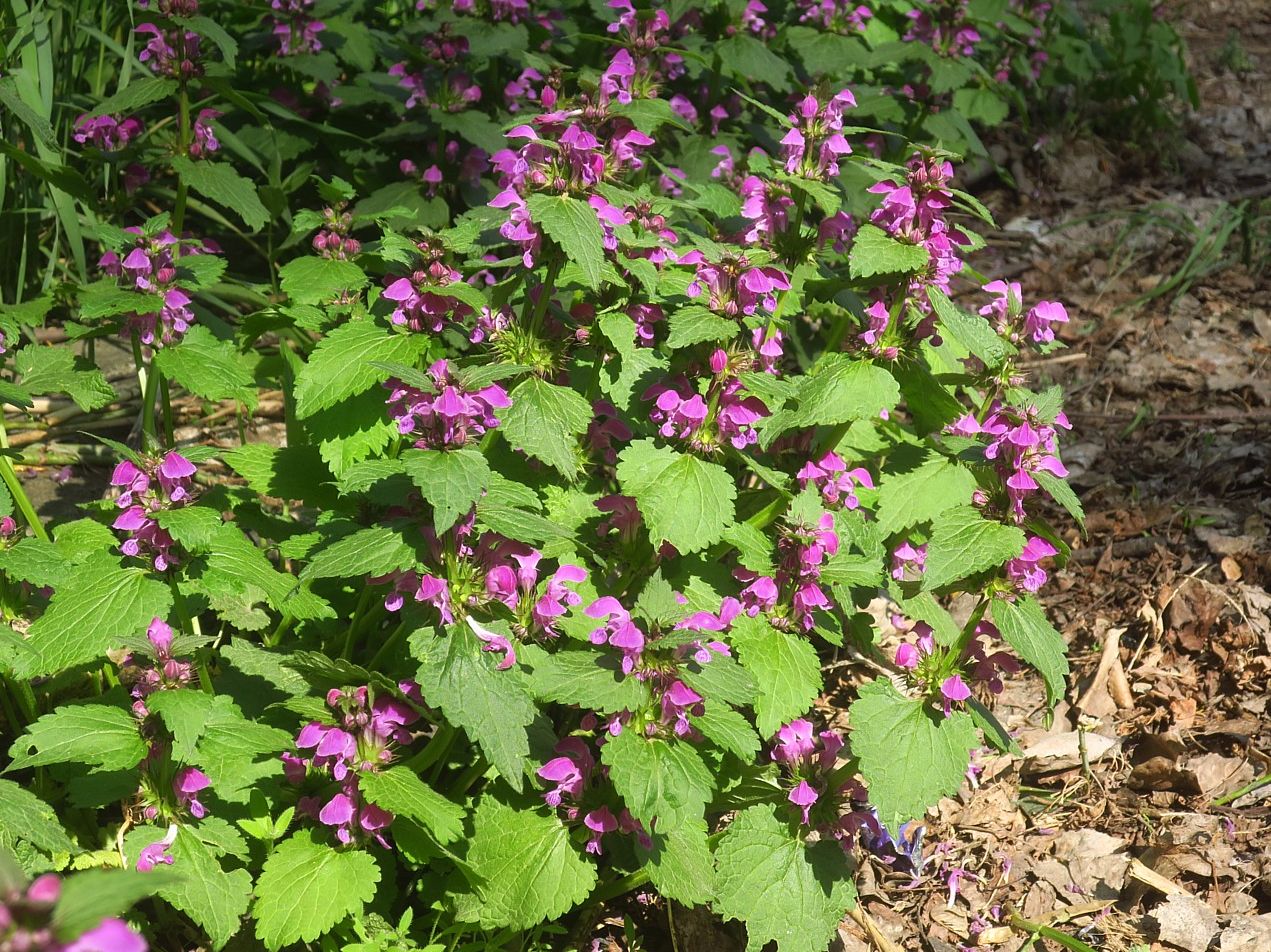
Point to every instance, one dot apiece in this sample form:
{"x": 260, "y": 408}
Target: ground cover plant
{"x": 620, "y": 376}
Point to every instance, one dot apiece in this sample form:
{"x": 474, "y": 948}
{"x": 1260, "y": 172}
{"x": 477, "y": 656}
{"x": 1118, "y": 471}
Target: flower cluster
{"x": 815, "y": 140}
{"x": 734, "y": 287}
{"x": 144, "y": 491}
{"x": 839, "y": 16}
{"x": 940, "y": 674}
{"x": 106, "y": 132}
{"x": 810, "y": 758}
{"x": 791, "y": 598}
{"x": 1006, "y": 314}
{"x": 150, "y": 267}
{"x": 204, "y": 141}
{"x": 1021, "y": 445}
{"x": 365, "y": 738}
{"x": 422, "y": 302}
{"x": 536, "y": 609}
{"x": 451, "y": 415}
{"x": 333, "y": 239}
{"x": 834, "y": 481}
{"x": 26, "y": 922}
{"x": 945, "y": 26}
{"x": 295, "y": 27}
{"x": 173, "y": 52}
{"x": 571, "y": 773}
{"x": 160, "y": 671}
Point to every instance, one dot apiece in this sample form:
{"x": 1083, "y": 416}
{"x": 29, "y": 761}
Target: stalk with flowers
{"x": 659, "y": 384}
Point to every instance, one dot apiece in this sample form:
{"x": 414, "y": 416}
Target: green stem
{"x": 351, "y": 632}
{"x": 436, "y": 748}
{"x": 1247, "y": 788}
{"x": 1020, "y": 924}
{"x": 388, "y": 644}
{"x": 470, "y": 776}
{"x": 149, "y": 437}
{"x": 968, "y": 630}
{"x": 166, "y": 399}
{"x": 546, "y": 289}
{"x": 183, "y": 144}
{"x": 20, "y": 497}
{"x": 284, "y": 625}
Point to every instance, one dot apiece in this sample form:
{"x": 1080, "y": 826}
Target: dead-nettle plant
{"x": 608, "y": 415}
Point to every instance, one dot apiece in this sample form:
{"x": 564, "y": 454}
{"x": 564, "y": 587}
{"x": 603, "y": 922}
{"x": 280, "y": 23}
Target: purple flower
{"x": 908, "y": 561}
{"x": 205, "y": 141}
{"x": 449, "y": 417}
{"x": 140, "y": 502}
{"x": 569, "y": 772}
{"x": 836, "y": 483}
{"x": 1025, "y": 570}
{"x": 803, "y": 796}
{"x": 188, "y": 782}
{"x": 494, "y": 642}
{"x": 113, "y": 935}
{"x": 106, "y": 132}
{"x": 157, "y": 854}
{"x": 618, "y": 630}
{"x": 599, "y": 821}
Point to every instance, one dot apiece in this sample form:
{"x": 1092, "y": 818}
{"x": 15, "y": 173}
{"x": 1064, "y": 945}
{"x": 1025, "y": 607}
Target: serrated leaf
{"x": 138, "y": 93}
{"x": 399, "y": 790}
{"x": 684, "y": 500}
{"x": 96, "y": 734}
{"x": 341, "y": 364}
{"x": 215, "y": 899}
{"x": 58, "y": 370}
{"x": 314, "y": 280}
{"x": 25, "y": 816}
{"x": 910, "y": 754}
{"x": 722, "y": 678}
{"x": 841, "y": 390}
{"x": 749, "y": 60}
{"x": 785, "y": 891}
{"x": 876, "y": 252}
{"x": 494, "y": 707}
{"x": 591, "y": 680}
{"x": 1025, "y": 627}
{"x": 106, "y": 603}
{"x": 529, "y": 870}
{"x": 209, "y": 368}
{"x": 232, "y": 747}
{"x": 377, "y": 550}
{"x": 662, "y": 780}
{"x": 545, "y": 421}
{"x": 729, "y": 731}
{"x": 915, "y": 488}
{"x": 633, "y": 364}
{"x": 106, "y": 299}
{"x": 1062, "y": 493}
{"x": 964, "y": 543}
{"x": 185, "y": 713}
{"x": 786, "y": 671}
{"x": 233, "y": 566}
{"x": 286, "y": 472}
{"x": 573, "y": 225}
{"x": 306, "y": 888}
{"x": 451, "y": 480}
{"x": 680, "y": 863}
{"x": 970, "y": 330}
{"x": 219, "y": 182}
{"x": 695, "y": 324}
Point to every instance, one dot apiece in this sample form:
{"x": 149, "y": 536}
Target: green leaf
{"x": 231, "y": 749}
{"x": 695, "y": 324}
{"x": 342, "y": 363}
{"x": 185, "y": 713}
{"x": 545, "y": 421}
{"x": 493, "y": 706}
{"x": 994, "y": 732}
{"x": 964, "y": 543}
{"x": 840, "y": 390}
{"x": 306, "y": 888}
{"x": 377, "y": 550}
{"x": 981, "y": 105}
{"x": 106, "y": 604}
{"x": 915, "y": 488}
{"x": 635, "y": 362}
{"x": 285, "y": 472}
{"x": 313, "y": 280}
{"x": 1062, "y": 493}
{"x": 970, "y": 330}
{"x": 95, "y": 734}
{"x": 96, "y": 894}
{"x": 209, "y": 368}
{"x": 209, "y": 28}
{"x": 215, "y": 899}
{"x": 529, "y": 870}
{"x": 138, "y": 93}
{"x": 754, "y": 548}
{"x": 680, "y": 863}
{"x": 684, "y": 500}
{"x": 451, "y": 480}
{"x": 660, "y": 780}
{"x": 573, "y": 225}
{"x": 106, "y": 299}
{"x": 875, "y": 252}
{"x": 786, "y": 671}
{"x": 219, "y": 182}
{"x": 587, "y": 678}
{"x": 722, "y": 678}
{"x": 786, "y": 891}
{"x": 728, "y": 730}
{"x": 25, "y": 816}
{"x": 1025, "y": 627}
{"x": 400, "y": 790}
{"x": 235, "y": 567}
{"x": 910, "y": 754}
{"x": 749, "y": 60}
{"x": 58, "y": 370}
